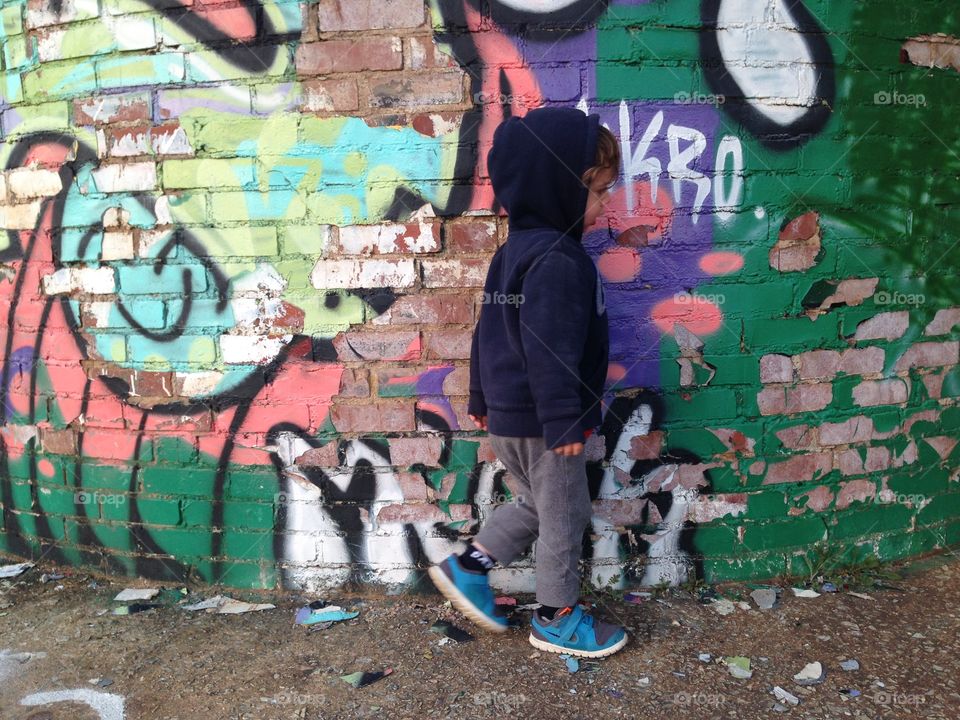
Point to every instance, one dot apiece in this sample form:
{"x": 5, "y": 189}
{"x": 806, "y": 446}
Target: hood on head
{"x": 536, "y": 164}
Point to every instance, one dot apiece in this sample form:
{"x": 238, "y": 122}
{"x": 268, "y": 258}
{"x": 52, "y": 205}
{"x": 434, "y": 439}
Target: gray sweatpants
{"x": 551, "y": 505}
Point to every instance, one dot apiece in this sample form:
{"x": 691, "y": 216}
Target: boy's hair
{"x": 607, "y": 158}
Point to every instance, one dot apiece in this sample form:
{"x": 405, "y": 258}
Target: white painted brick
{"x": 20, "y": 217}
{"x": 34, "y": 182}
{"x": 367, "y": 239}
{"x": 129, "y": 145}
{"x": 175, "y": 142}
{"x": 363, "y": 273}
{"x": 117, "y": 245}
{"x": 130, "y": 177}
{"x": 238, "y": 349}
{"x": 95, "y": 281}
{"x": 41, "y": 14}
{"x": 199, "y": 383}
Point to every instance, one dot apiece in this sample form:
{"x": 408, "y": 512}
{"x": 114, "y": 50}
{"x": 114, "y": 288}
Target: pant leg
{"x": 562, "y": 497}
{"x": 512, "y": 527}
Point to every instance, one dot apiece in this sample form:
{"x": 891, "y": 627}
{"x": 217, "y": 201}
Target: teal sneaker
{"x": 469, "y": 592}
{"x": 576, "y": 632}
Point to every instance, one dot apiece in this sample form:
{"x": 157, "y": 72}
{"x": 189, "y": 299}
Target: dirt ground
{"x": 64, "y": 655}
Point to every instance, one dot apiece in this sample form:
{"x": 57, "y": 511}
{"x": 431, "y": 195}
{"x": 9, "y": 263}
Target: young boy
{"x": 537, "y": 371}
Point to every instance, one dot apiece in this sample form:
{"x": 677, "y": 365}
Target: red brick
{"x": 340, "y": 15}
{"x": 863, "y": 361}
{"x": 471, "y": 236}
{"x": 115, "y": 109}
{"x": 808, "y": 398}
{"x": 405, "y": 452}
{"x": 421, "y": 53}
{"x": 429, "y": 310}
{"x": 801, "y": 468}
{"x": 423, "y": 512}
{"x": 457, "y": 382}
{"x": 355, "y": 382}
{"x": 323, "y": 456}
{"x": 454, "y": 273}
{"x": 943, "y": 322}
{"x": 413, "y": 486}
{"x": 343, "y": 56}
{"x": 448, "y": 345}
{"x": 929, "y": 354}
{"x": 881, "y": 392}
{"x": 854, "y": 430}
{"x": 382, "y": 345}
{"x": 436, "y": 88}
{"x": 624, "y": 512}
{"x": 380, "y": 417}
{"x": 60, "y": 442}
{"x": 819, "y": 364}
{"x": 339, "y": 95}
{"x": 883, "y": 326}
{"x": 647, "y": 447}
{"x": 798, "y": 437}
{"x": 776, "y": 369}
{"x": 855, "y": 491}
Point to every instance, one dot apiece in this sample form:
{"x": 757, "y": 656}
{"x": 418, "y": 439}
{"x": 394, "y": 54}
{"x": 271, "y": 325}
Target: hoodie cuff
{"x": 562, "y": 432}
{"x": 477, "y": 405}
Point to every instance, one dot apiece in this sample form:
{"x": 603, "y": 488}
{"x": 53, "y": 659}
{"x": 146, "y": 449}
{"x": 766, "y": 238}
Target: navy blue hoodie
{"x": 540, "y": 350}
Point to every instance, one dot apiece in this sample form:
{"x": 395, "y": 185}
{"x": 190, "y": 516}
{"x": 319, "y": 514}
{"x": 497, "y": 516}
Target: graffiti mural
{"x": 240, "y": 239}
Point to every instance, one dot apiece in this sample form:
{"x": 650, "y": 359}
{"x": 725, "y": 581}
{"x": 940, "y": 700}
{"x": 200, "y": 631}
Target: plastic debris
{"x": 330, "y": 614}
{"x": 361, "y": 679}
{"x": 805, "y": 593}
{"x": 780, "y": 707}
{"x": 850, "y": 665}
{"x": 812, "y": 674}
{"x": 723, "y": 606}
{"x": 765, "y": 598}
{"x": 48, "y": 577}
{"x": 828, "y": 587}
{"x": 783, "y": 696}
{"x": 850, "y": 692}
{"x": 505, "y": 600}
{"x": 643, "y": 681}
{"x": 8, "y": 571}
{"x": 223, "y": 605}
{"x": 637, "y": 598}
{"x": 449, "y": 630}
{"x": 862, "y": 596}
{"x": 572, "y": 663}
{"x": 738, "y": 666}
{"x": 612, "y": 692}
{"x": 704, "y": 657}
{"x": 134, "y": 608}
{"x": 529, "y": 606}
{"x": 101, "y": 682}
{"x": 677, "y": 673}
{"x": 136, "y": 594}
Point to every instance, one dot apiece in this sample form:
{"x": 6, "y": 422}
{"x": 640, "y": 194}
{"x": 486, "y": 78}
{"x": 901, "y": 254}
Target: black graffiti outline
{"x": 768, "y": 132}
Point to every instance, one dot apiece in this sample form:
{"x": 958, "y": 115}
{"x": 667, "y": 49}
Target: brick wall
{"x": 245, "y": 251}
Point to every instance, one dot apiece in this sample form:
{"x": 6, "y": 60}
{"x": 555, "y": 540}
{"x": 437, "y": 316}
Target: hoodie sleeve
{"x": 477, "y": 405}
{"x": 554, "y": 320}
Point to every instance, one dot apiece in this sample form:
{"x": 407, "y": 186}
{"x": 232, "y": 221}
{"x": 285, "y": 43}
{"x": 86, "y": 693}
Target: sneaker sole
{"x": 559, "y": 649}
{"x": 461, "y": 602}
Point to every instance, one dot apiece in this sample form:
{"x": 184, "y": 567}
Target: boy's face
{"x": 598, "y": 196}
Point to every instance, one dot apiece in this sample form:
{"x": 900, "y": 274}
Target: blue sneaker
{"x": 575, "y": 632}
{"x": 469, "y": 592}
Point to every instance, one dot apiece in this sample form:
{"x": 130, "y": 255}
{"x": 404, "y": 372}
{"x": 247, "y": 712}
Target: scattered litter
{"x": 828, "y": 587}
{"x": 862, "y": 596}
{"x": 329, "y": 614}
{"x": 783, "y": 696}
{"x": 723, "y": 606}
{"x": 677, "y": 673}
{"x": 534, "y": 655}
{"x": 779, "y": 707}
{"x": 614, "y": 693}
{"x": 850, "y": 665}
{"x": 505, "y": 600}
{"x": 805, "y": 593}
{"x": 765, "y": 598}
{"x": 850, "y": 692}
{"x": 739, "y": 666}
{"x": 704, "y": 657}
{"x": 223, "y": 605}
{"x": 361, "y": 679}
{"x": 449, "y": 630}
{"x": 134, "y": 608}
{"x": 572, "y": 663}
{"x": 812, "y": 674}
{"x": 637, "y": 598}
{"x": 530, "y": 606}
{"x": 743, "y": 605}
{"x": 136, "y": 594}
{"x": 48, "y": 577}
{"x": 8, "y": 571}
{"x": 101, "y": 682}
{"x": 643, "y": 681}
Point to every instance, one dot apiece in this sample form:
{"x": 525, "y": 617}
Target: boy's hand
{"x": 480, "y": 421}
{"x": 571, "y": 449}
